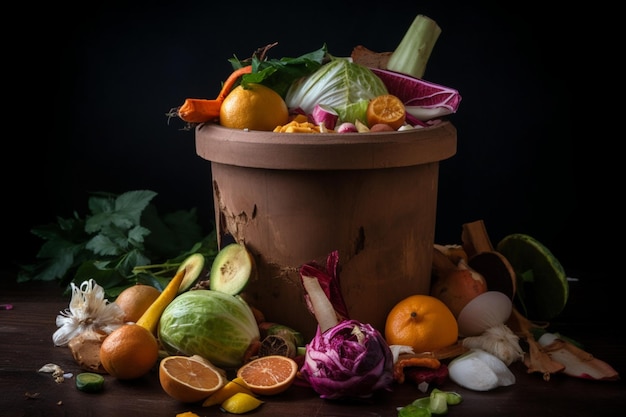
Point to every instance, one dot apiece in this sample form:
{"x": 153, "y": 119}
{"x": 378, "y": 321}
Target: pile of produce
{"x": 197, "y": 331}
{"x": 321, "y": 93}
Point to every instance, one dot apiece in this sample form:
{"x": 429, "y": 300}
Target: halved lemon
{"x": 241, "y": 403}
{"x": 231, "y": 388}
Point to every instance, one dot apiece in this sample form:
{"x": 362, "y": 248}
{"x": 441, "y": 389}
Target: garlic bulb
{"x": 88, "y": 311}
{"x": 500, "y": 341}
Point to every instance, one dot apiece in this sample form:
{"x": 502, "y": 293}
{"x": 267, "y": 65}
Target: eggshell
{"x": 484, "y": 311}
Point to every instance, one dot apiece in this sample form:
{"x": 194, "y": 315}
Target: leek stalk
{"x": 413, "y": 52}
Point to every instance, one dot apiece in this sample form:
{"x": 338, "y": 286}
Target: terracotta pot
{"x": 293, "y": 198}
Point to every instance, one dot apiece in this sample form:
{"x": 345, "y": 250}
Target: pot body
{"x": 294, "y": 198}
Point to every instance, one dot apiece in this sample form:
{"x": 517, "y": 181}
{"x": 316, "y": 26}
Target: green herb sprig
{"x": 121, "y": 242}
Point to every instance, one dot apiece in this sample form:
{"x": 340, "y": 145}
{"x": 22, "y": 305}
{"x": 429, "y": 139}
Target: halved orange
{"x": 386, "y": 109}
{"x": 268, "y": 375}
{"x": 190, "y": 378}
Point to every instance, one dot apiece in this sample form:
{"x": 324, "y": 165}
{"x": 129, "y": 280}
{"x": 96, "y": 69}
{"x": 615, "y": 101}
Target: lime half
{"x": 542, "y": 287}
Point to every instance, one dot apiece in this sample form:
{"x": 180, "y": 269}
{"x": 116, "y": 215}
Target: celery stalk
{"x": 413, "y": 52}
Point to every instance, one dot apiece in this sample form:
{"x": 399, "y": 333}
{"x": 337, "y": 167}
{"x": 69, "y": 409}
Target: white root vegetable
{"x": 346, "y": 127}
{"x": 480, "y": 371}
{"x": 324, "y": 312}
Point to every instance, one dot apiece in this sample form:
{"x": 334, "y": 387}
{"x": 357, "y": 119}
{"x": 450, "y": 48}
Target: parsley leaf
{"x": 121, "y": 242}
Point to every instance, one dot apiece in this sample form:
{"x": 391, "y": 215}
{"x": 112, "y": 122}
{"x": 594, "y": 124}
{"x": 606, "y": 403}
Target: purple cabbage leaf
{"x": 345, "y": 358}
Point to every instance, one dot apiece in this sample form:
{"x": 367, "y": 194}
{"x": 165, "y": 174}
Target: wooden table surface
{"x": 26, "y": 345}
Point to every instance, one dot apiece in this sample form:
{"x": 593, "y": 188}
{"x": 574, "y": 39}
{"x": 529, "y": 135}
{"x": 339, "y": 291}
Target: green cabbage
{"x": 341, "y": 84}
{"x": 217, "y": 326}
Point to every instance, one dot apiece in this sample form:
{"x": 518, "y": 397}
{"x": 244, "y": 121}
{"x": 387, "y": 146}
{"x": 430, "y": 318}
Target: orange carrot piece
{"x": 231, "y": 80}
{"x": 197, "y": 110}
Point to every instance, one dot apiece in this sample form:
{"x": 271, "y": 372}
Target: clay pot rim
{"x": 325, "y": 151}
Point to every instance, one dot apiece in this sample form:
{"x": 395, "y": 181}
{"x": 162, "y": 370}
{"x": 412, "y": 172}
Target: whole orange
{"x": 135, "y": 300}
{"x": 423, "y": 322}
{"x": 129, "y": 352}
{"x": 255, "y": 107}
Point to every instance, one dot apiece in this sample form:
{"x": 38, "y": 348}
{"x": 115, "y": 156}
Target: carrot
{"x": 231, "y": 80}
{"x": 197, "y": 110}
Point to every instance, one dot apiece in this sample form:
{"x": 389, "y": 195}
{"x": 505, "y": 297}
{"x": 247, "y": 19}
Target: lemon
{"x": 542, "y": 286}
{"x": 231, "y": 388}
{"x": 241, "y": 403}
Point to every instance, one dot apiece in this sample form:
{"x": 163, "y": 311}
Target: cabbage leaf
{"x": 341, "y": 84}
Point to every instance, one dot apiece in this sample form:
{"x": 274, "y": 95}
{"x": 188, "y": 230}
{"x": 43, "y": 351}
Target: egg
{"x": 486, "y": 310}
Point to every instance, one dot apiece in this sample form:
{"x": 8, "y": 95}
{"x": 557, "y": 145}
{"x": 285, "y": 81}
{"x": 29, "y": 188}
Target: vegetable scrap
{"x": 480, "y": 371}
{"x": 578, "y": 363}
{"x": 57, "y": 372}
{"x": 436, "y": 403}
{"x": 187, "y": 414}
{"x": 88, "y": 311}
{"x": 296, "y": 126}
{"x": 413, "y": 361}
{"x": 196, "y": 110}
{"x": 345, "y": 358}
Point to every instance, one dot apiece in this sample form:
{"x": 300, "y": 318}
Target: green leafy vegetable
{"x": 121, "y": 242}
{"x": 344, "y": 86}
{"x": 278, "y": 74}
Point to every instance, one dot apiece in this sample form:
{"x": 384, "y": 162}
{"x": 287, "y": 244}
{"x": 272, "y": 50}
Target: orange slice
{"x": 386, "y": 109}
{"x": 190, "y": 379}
{"x": 268, "y": 375}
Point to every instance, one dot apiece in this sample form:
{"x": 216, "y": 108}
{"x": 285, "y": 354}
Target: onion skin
{"x": 324, "y": 115}
{"x": 457, "y": 287}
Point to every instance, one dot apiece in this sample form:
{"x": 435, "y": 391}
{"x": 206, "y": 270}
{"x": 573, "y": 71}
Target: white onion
{"x": 480, "y": 371}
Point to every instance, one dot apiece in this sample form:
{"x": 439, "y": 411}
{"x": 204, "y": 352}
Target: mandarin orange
{"x": 386, "y": 109}
{"x": 423, "y": 322}
{"x": 129, "y": 352}
{"x": 135, "y": 300}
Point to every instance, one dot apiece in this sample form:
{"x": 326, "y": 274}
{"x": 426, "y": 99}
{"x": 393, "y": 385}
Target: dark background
{"x": 532, "y": 153}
